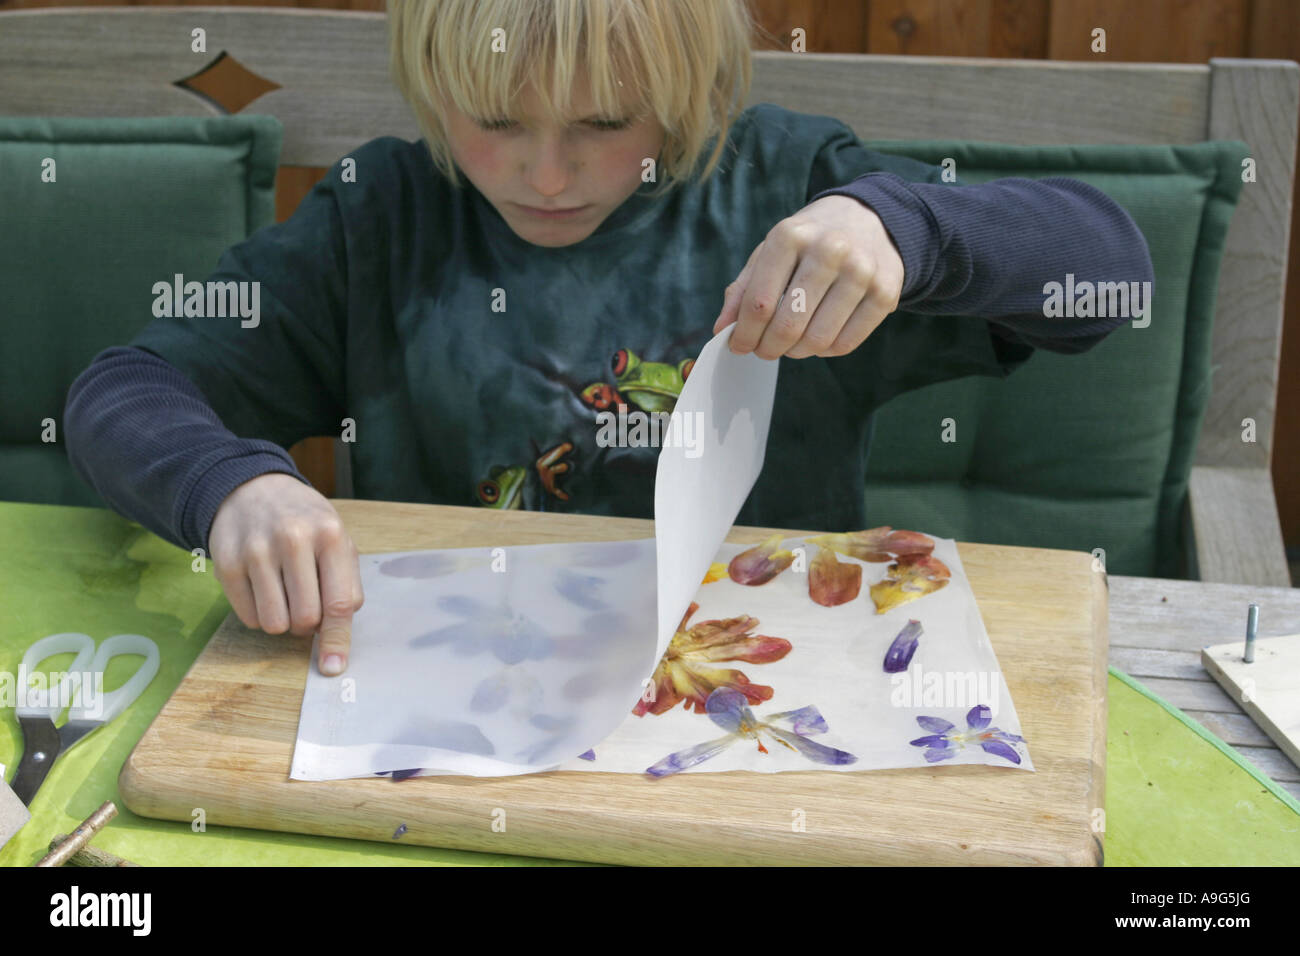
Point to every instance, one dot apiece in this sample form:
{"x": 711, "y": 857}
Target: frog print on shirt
{"x": 649, "y": 386}
{"x": 504, "y": 486}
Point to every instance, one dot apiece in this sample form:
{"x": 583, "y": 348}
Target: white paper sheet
{"x": 500, "y": 661}
{"x": 503, "y": 661}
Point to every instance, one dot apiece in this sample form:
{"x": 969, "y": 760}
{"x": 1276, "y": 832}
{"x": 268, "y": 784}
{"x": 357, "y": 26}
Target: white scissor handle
{"x": 117, "y": 701}
{"x": 83, "y": 645}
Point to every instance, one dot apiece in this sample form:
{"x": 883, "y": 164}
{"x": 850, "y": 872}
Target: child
{"x": 559, "y": 244}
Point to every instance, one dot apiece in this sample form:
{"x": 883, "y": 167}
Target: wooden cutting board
{"x": 224, "y": 742}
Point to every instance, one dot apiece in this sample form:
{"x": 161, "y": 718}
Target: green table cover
{"x": 1175, "y": 793}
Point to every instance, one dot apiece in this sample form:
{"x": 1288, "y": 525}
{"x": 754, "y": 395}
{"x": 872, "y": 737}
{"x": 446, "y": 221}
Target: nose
{"x": 548, "y": 168}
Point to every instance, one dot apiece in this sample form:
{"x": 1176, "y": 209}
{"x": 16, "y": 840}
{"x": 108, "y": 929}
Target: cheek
{"x": 481, "y": 155}
{"x": 625, "y": 162}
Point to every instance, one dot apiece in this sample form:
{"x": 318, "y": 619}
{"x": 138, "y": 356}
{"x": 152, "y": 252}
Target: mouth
{"x": 552, "y": 213}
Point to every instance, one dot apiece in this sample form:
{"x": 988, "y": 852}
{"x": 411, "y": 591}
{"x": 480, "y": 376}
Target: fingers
{"x": 769, "y": 274}
{"x": 340, "y": 589}
{"x": 731, "y": 297}
{"x": 263, "y": 572}
{"x": 829, "y": 328}
{"x": 789, "y": 329}
{"x": 296, "y": 546}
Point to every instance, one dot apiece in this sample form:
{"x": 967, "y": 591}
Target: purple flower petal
{"x": 937, "y": 741}
{"x": 806, "y": 721}
{"x": 934, "y": 756}
{"x": 1010, "y": 738}
{"x": 589, "y": 755}
{"x": 682, "y": 759}
{"x": 814, "y": 751}
{"x": 979, "y": 717}
{"x": 936, "y": 724}
{"x": 900, "y": 652}
{"x": 999, "y": 749}
{"x": 727, "y": 708}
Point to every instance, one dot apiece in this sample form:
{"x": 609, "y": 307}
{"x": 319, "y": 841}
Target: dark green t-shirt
{"x": 376, "y": 305}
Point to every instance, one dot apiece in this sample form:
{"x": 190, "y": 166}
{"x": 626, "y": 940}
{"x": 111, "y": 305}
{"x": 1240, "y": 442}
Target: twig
{"x": 80, "y": 836}
{"x": 91, "y": 855}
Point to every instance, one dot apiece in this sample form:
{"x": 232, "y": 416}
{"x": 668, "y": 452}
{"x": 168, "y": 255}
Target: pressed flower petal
{"x": 760, "y": 563}
{"x": 727, "y": 708}
{"x": 806, "y": 721}
{"x": 811, "y": 749}
{"x": 1010, "y": 738}
{"x": 731, "y": 640}
{"x": 682, "y": 759}
{"x": 934, "y": 756}
{"x": 589, "y": 755}
{"x": 681, "y": 674}
{"x": 398, "y": 774}
{"x": 910, "y": 577}
{"x": 999, "y": 749}
{"x": 899, "y": 655}
{"x": 938, "y": 741}
{"x": 979, "y": 717}
{"x": 717, "y": 571}
{"x": 832, "y": 582}
{"x": 876, "y": 544}
{"x": 936, "y": 724}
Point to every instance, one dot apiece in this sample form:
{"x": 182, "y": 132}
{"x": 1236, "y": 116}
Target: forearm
{"x": 140, "y": 433}
{"x": 991, "y": 250}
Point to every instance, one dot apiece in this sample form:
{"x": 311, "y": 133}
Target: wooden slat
{"x": 988, "y": 28}
{"x": 1258, "y": 102}
{"x": 1193, "y": 695}
{"x": 830, "y": 26}
{"x": 1150, "y": 30}
{"x": 122, "y": 61}
{"x": 1237, "y": 730}
{"x": 1010, "y": 101}
{"x": 1273, "y": 763}
{"x": 1194, "y": 614}
{"x": 1142, "y": 663}
{"x": 1238, "y": 538}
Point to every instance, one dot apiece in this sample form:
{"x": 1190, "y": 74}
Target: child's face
{"x": 581, "y": 167}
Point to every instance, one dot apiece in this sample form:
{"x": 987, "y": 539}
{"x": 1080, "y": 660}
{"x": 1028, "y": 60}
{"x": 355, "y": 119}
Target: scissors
{"x": 42, "y": 743}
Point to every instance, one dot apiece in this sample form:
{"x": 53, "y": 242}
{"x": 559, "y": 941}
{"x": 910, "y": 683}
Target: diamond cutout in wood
{"x": 227, "y": 83}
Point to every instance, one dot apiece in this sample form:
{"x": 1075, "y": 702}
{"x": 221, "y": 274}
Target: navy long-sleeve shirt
{"x": 380, "y": 311}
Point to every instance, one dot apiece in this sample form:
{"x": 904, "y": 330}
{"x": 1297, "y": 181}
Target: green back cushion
{"x": 132, "y": 202}
{"x": 1076, "y": 451}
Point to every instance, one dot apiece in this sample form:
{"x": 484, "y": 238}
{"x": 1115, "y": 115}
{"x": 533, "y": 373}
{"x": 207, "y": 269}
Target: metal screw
{"x": 1252, "y": 625}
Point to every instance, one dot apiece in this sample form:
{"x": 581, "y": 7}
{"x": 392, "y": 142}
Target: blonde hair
{"x": 689, "y": 61}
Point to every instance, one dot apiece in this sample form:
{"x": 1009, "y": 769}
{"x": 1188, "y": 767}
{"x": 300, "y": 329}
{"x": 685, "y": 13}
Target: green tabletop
{"x": 1175, "y": 794}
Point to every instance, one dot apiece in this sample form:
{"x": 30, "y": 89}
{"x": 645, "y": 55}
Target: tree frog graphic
{"x": 504, "y": 486}
{"x": 649, "y": 386}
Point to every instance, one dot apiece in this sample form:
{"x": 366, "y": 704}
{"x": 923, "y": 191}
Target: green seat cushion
{"x": 1085, "y": 451}
{"x": 97, "y": 211}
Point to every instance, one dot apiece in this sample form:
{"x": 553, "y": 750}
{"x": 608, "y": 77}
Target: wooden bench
{"x": 333, "y": 92}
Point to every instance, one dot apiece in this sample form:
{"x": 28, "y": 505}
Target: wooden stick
{"x": 80, "y": 836}
{"x": 90, "y": 855}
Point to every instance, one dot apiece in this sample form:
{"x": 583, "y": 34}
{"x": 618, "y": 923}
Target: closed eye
{"x": 502, "y": 124}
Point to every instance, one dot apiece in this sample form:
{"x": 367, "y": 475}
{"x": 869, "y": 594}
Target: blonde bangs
{"x": 685, "y": 61}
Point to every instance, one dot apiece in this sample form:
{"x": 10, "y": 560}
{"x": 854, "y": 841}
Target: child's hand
{"x": 286, "y": 562}
{"x": 848, "y": 269}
